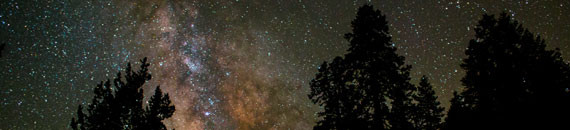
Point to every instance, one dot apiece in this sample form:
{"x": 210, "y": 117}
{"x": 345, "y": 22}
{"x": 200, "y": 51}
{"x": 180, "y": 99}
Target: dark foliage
{"x": 158, "y": 109}
{"x": 2, "y": 48}
{"x": 427, "y": 113}
{"x": 355, "y": 91}
{"x": 123, "y": 108}
{"x": 512, "y": 81}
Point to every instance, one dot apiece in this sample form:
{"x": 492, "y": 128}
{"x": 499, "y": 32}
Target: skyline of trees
{"x": 121, "y": 106}
{"x": 428, "y": 112}
{"x": 511, "y": 82}
{"x": 368, "y": 88}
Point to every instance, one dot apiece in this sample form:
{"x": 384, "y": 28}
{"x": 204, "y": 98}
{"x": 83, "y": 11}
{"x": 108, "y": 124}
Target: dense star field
{"x": 227, "y": 64}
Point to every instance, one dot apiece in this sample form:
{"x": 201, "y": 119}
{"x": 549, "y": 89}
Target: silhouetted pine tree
{"x": 124, "y": 109}
{"x": 457, "y": 112}
{"x": 354, "y": 90}
{"x": 512, "y": 81}
{"x": 158, "y": 109}
{"x": 79, "y": 123}
{"x": 101, "y": 116}
{"x": 427, "y": 113}
{"x": 402, "y": 108}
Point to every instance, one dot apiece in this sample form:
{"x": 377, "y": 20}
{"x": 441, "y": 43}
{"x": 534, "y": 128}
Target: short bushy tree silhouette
{"x": 512, "y": 81}
{"x": 122, "y": 109}
{"x": 427, "y": 113}
{"x": 354, "y": 91}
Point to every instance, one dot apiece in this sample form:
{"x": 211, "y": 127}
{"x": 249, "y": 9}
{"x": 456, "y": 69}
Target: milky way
{"x": 235, "y": 64}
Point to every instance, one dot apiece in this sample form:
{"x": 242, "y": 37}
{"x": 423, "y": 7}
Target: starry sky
{"x": 227, "y": 64}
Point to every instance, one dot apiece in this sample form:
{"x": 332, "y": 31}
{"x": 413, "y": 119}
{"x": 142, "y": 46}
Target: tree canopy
{"x": 120, "y": 107}
{"x": 512, "y": 80}
{"x": 357, "y": 91}
{"x": 427, "y": 113}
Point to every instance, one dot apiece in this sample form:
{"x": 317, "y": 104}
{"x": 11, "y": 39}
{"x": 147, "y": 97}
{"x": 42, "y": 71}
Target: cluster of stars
{"x": 227, "y": 64}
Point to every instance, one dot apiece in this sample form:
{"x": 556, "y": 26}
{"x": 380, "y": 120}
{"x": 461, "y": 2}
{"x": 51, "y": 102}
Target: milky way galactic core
{"x": 227, "y": 64}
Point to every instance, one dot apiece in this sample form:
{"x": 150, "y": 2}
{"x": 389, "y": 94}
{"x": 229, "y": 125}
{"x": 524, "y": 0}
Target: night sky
{"x": 228, "y": 64}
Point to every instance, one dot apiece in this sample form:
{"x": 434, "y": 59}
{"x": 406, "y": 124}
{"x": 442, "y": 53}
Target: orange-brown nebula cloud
{"x": 214, "y": 82}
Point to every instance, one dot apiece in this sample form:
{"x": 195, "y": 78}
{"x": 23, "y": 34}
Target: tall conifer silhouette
{"x": 427, "y": 113}
{"x": 354, "y": 90}
{"x": 512, "y": 81}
